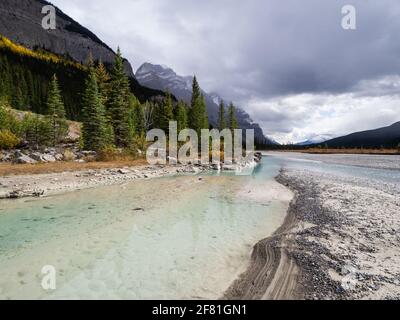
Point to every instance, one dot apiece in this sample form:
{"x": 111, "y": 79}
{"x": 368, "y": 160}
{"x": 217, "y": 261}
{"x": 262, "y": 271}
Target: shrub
{"x": 37, "y": 130}
{"x": 109, "y": 153}
{"x": 68, "y": 155}
{"x": 139, "y": 145}
{"x": 8, "y": 140}
{"x": 8, "y": 120}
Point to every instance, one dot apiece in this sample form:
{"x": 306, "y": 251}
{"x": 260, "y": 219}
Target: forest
{"x": 50, "y": 90}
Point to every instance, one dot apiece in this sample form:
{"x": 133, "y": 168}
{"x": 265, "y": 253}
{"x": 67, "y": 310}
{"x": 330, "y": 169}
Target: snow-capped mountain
{"x": 164, "y": 78}
{"x": 316, "y": 139}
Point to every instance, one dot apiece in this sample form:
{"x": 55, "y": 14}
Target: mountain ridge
{"x": 388, "y": 137}
{"x": 164, "y": 78}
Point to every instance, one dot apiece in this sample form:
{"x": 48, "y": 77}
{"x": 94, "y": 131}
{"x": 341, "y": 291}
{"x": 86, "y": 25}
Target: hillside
{"x": 387, "y": 137}
{"x": 20, "y": 22}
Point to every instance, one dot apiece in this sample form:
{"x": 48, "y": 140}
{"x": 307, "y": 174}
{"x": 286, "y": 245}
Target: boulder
{"x": 229, "y": 167}
{"x": 37, "y": 156}
{"x": 5, "y": 156}
{"x": 124, "y": 171}
{"x": 59, "y": 157}
{"x": 48, "y": 158}
{"x": 25, "y": 159}
{"x": 42, "y": 157}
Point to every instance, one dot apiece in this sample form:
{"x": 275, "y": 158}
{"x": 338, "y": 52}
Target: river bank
{"x": 340, "y": 238}
{"x": 35, "y": 185}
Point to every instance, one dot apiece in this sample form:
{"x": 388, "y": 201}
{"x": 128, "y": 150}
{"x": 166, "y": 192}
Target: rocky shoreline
{"x": 339, "y": 241}
{"x": 37, "y": 185}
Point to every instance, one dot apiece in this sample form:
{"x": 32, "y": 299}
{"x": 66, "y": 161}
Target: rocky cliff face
{"x": 164, "y": 78}
{"x": 21, "y": 21}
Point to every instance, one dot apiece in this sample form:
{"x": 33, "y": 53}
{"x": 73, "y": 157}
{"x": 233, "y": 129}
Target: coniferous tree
{"x": 56, "y": 112}
{"x": 204, "y": 114}
{"x": 181, "y": 115}
{"x": 232, "y": 120}
{"x": 221, "y": 116}
{"x": 167, "y": 113}
{"x": 198, "y": 118}
{"x": 118, "y": 104}
{"x": 103, "y": 81}
{"x": 137, "y": 121}
{"x": 94, "y": 124}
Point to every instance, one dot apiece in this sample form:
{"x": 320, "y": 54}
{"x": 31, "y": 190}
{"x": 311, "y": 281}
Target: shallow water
{"x": 168, "y": 238}
{"x": 384, "y": 169}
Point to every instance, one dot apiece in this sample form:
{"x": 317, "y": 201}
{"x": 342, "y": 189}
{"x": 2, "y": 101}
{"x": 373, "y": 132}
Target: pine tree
{"x": 181, "y": 115}
{"x": 118, "y": 104}
{"x": 56, "y": 112}
{"x": 232, "y": 120}
{"x": 167, "y": 113}
{"x": 198, "y": 118}
{"x": 94, "y": 124}
{"x": 221, "y": 116}
{"x": 204, "y": 114}
{"x": 136, "y": 115}
{"x": 103, "y": 82}
{"x": 196, "y": 92}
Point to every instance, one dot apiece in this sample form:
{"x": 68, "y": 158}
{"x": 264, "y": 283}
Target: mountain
{"x": 164, "y": 78}
{"x": 20, "y": 21}
{"x": 383, "y": 137}
{"x": 315, "y": 140}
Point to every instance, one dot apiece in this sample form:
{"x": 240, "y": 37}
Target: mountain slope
{"x": 382, "y": 137}
{"x": 164, "y": 78}
{"x": 20, "y": 21}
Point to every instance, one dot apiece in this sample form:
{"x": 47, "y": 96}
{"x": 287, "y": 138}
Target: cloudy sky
{"x": 289, "y": 63}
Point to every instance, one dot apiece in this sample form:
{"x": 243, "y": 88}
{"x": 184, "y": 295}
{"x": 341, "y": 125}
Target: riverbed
{"x": 177, "y": 237}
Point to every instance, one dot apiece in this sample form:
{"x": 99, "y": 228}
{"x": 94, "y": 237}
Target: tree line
{"x": 111, "y": 115}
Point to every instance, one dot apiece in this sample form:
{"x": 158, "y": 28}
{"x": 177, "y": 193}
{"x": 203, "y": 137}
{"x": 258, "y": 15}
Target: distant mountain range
{"x": 164, "y": 78}
{"x": 387, "y": 137}
{"x": 315, "y": 140}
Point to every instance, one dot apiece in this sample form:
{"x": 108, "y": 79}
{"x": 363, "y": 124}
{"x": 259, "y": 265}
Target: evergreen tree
{"x": 56, "y": 112}
{"x": 118, "y": 104}
{"x": 103, "y": 82}
{"x": 204, "y": 115}
{"x": 137, "y": 122}
{"x": 94, "y": 124}
{"x": 198, "y": 118}
{"x": 181, "y": 115}
{"x": 167, "y": 113}
{"x": 221, "y": 116}
{"x": 196, "y": 92}
{"x": 232, "y": 120}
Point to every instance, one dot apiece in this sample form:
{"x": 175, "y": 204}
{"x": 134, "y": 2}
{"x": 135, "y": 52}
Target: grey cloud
{"x": 266, "y": 51}
{"x": 253, "y": 48}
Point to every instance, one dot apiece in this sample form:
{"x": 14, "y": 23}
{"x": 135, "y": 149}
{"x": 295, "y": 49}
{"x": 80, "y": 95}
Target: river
{"x": 182, "y": 237}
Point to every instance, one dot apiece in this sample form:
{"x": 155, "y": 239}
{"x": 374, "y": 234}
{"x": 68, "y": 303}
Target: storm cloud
{"x": 265, "y": 54}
